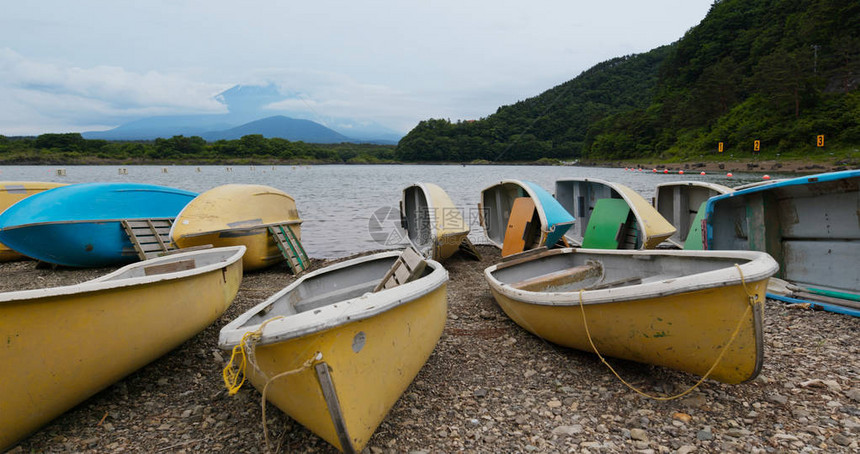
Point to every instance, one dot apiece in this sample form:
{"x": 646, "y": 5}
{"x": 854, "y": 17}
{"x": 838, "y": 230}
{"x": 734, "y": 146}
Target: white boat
{"x": 679, "y": 203}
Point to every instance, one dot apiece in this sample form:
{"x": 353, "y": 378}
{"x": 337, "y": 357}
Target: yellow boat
{"x": 641, "y": 226}
{"x": 238, "y": 214}
{"x": 62, "y": 345}
{"x": 13, "y": 191}
{"x": 333, "y": 354}
{"x": 686, "y": 310}
{"x": 434, "y": 225}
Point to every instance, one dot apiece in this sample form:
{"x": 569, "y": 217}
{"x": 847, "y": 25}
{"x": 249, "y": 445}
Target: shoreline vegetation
{"x": 73, "y": 149}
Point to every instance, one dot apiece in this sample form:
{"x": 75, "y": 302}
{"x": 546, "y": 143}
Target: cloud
{"x": 46, "y": 94}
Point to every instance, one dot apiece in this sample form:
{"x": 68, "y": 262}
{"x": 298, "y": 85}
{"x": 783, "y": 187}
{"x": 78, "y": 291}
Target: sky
{"x": 88, "y": 65}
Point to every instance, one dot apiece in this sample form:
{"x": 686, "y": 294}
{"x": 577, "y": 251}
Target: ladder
{"x": 290, "y": 246}
{"x": 150, "y": 237}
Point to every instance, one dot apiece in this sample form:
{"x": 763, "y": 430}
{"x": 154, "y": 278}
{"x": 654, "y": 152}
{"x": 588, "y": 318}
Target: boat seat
{"x": 408, "y": 267}
{"x": 560, "y": 278}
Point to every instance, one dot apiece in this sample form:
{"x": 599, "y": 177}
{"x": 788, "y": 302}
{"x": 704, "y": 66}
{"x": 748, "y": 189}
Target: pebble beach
{"x": 489, "y": 386}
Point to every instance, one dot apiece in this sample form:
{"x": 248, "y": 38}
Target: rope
{"x": 751, "y": 303}
{"x": 234, "y": 376}
{"x": 306, "y": 365}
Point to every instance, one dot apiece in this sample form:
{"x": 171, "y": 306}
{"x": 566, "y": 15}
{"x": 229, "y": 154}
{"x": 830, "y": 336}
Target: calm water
{"x": 338, "y": 201}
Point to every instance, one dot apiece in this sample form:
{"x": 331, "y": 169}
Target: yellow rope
{"x": 750, "y": 306}
{"x": 234, "y": 376}
{"x": 306, "y": 365}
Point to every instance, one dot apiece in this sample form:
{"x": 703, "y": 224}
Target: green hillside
{"x": 778, "y": 71}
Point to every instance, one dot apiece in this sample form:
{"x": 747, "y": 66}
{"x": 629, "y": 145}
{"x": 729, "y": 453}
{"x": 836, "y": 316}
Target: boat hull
{"x": 810, "y": 225}
{"x": 238, "y": 214}
{"x": 63, "y": 345}
{"x": 10, "y": 193}
{"x": 368, "y": 382}
{"x": 369, "y": 344}
{"x": 679, "y": 203}
{"x": 79, "y": 225}
{"x": 666, "y": 322}
{"x": 434, "y": 225}
{"x": 497, "y": 202}
{"x": 579, "y": 196}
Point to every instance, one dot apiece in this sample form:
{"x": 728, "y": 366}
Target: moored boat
{"x": 686, "y": 310}
{"x": 79, "y": 225}
{"x": 634, "y": 224}
{"x": 10, "y": 193}
{"x": 434, "y": 225}
{"x": 679, "y": 203}
{"x": 238, "y": 214}
{"x": 810, "y": 225}
{"x": 540, "y": 222}
{"x": 62, "y": 345}
{"x": 335, "y": 355}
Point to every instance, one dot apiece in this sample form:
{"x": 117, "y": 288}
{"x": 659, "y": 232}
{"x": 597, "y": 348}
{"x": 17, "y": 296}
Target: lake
{"x": 337, "y": 202}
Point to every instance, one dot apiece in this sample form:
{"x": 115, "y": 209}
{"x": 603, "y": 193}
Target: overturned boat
{"x": 679, "y": 202}
{"x": 686, "y": 310}
{"x": 10, "y": 193}
{"x": 263, "y": 219}
{"x": 520, "y": 215}
{"x": 610, "y": 215}
{"x": 810, "y": 225}
{"x": 434, "y": 225}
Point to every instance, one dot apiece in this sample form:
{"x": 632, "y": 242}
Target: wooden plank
{"x": 520, "y": 227}
{"x": 170, "y": 267}
{"x": 558, "y": 278}
{"x": 408, "y": 267}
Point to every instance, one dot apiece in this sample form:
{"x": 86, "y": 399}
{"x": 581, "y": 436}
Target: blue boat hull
{"x": 79, "y": 225}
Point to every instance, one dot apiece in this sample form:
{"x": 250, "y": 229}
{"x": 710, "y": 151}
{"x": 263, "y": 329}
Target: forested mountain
{"x": 778, "y": 71}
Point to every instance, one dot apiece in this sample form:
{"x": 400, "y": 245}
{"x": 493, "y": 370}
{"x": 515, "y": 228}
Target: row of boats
{"x": 337, "y": 347}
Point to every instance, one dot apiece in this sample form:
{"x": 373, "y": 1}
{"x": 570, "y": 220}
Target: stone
{"x": 567, "y": 430}
{"x": 778, "y": 399}
{"x": 554, "y": 403}
{"x": 683, "y": 417}
{"x": 638, "y": 434}
{"x": 686, "y": 449}
{"x": 695, "y": 401}
{"x": 704, "y": 435}
{"x": 842, "y": 440}
{"x": 854, "y": 394}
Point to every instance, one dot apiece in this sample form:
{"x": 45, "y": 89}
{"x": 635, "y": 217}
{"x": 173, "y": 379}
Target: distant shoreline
{"x": 689, "y": 168}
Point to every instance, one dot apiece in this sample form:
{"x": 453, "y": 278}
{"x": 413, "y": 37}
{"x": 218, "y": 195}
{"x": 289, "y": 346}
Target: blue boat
{"x": 497, "y": 202}
{"x": 79, "y": 225}
{"x": 810, "y": 225}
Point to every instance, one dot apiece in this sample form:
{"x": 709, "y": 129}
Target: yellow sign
{"x": 757, "y": 145}
{"x": 820, "y": 141}
{"x": 720, "y": 147}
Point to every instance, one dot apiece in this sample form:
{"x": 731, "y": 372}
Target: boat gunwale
{"x": 701, "y": 184}
{"x": 348, "y": 310}
{"x": 760, "y": 266}
{"x": 106, "y": 282}
{"x": 236, "y": 229}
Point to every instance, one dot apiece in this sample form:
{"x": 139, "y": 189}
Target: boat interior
{"x": 416, "y": 219}
{"x": 172, "y": 264}
{"x": 330, "y": 287}
{"x": 496, "y": 205}
{"x": 574, "y": 271}
{"x": 679, "y": 204}
{"x": 580, "y": 198}
{"x": 810, "y": 229}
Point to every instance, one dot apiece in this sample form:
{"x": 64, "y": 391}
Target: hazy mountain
{"x": 249, "y": 107}
{"x": 280, "y": 126}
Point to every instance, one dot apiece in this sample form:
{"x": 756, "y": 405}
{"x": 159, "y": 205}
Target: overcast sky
{"x": 71, "y": 66}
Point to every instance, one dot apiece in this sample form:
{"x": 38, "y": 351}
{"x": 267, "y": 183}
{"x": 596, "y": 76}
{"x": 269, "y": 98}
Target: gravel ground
{"x": 488, "y": 387}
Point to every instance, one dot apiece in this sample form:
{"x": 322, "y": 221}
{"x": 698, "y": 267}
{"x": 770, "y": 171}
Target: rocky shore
{"x": 488, "y": 387}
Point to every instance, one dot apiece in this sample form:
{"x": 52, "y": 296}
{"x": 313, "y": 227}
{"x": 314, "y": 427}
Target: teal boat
{"x": 549, "y": 220}
{"x": 810, "y": 225}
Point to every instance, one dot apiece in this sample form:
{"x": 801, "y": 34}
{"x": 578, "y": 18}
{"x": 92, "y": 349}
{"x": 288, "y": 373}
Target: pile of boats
{"x": 678, "y": 282}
